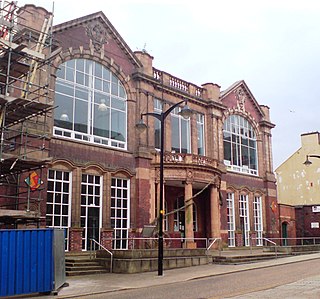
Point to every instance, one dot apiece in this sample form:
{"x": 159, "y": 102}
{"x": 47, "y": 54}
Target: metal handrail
{"x": 275, "y": 245}
{"x": 133, "y": 239}
{"x": 111, "y": 254}
{"x": 301, "y": 239}
{"x": 214, "y": 240}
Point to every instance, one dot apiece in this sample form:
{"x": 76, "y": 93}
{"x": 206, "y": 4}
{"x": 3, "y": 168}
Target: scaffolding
{"x": 26, "y": 53}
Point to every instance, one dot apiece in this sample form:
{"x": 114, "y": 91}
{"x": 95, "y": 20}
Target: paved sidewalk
{"x": 102, "y": 283}
{"x": 303, "y": 289}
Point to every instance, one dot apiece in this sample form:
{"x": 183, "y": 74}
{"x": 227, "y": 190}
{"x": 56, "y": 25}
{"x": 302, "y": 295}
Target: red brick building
{"x": 102, "y": 181}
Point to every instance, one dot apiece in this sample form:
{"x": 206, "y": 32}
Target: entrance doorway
{"x": 90, "y": 209}
{"x": 179, "y": 217}
{"x": 284, "y": 229}
{"x": 92, "y": 225}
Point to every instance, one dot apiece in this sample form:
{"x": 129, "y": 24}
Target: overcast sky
{"x": 273, "y": 45}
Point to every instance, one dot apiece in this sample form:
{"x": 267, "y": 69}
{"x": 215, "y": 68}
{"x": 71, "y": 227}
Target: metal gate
{"x": 27, "y": 261}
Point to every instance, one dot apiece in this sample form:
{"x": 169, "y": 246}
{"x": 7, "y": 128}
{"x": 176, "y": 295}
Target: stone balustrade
{"x": 176, "y": 83}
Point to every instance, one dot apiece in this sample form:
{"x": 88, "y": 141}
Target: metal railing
{"x": 167, "y": 241}
{"x": 298, "y": 241}
{"x": 211, "y": 241}
{"x": 93, "y": 242}
{"x": 273, "y": 243}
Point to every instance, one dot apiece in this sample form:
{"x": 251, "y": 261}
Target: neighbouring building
{"x": 298, "y": 188}
{"x": 96, "y": 176}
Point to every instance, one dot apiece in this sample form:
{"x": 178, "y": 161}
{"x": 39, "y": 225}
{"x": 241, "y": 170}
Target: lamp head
{"x": 307, "y": 162}
{"x": 141, "y": 126}
{"x": 185, "y": 112}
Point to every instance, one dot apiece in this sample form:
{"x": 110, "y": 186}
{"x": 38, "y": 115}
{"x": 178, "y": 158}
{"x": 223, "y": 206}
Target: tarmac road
{"x": 281, "y": 281}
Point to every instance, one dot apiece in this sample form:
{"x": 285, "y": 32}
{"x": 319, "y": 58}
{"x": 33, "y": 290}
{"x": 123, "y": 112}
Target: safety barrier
{"x": 31, "y": 261}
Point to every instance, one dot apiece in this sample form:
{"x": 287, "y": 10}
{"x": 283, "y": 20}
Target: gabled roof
{"x": 242, "y": 84}
{"x": 111, "y": 30}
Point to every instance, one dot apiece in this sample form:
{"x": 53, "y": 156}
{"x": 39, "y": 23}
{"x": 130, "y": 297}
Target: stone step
{"x": 86, "y": 272}
{"x": 243, "y": 259}
{"x": 82, "y": 267}
{"x": 81, "y": 264}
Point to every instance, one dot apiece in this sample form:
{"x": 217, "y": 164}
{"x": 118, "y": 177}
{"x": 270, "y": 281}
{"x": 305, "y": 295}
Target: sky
{"x": 274, "y": 46}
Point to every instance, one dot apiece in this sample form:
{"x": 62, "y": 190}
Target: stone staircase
{"x": 145, "y": 260}
{"x": 243, "y": 255}
{"x": 81, "y": 264}
{"x": 244, "y": 259}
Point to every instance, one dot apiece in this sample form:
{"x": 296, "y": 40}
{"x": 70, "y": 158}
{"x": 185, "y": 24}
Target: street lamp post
{"x": 141, "y": 126}
{"x": 307, "y": 162}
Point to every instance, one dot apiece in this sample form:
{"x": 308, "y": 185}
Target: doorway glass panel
{"x": 244, "y": 219}
{"x": 258, "y": 223}
{"x": 231, "y": 219}
{"x": 91, "y": 195}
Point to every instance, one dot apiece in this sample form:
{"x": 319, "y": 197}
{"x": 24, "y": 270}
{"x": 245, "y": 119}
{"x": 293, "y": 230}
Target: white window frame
{"x": 158, "y": 108}
{"x": 65, "y": 200}
{"x": 258, "y": 219}
{"x": 244, "y": 213}
{"x": 231, "y": 220}
{"x": 236, "y": 131}
{"x": 104, "y": 96}
{"x": 200, "y": 134}
{"x": 175, "y": 114}
{"x": 119, "y": 221}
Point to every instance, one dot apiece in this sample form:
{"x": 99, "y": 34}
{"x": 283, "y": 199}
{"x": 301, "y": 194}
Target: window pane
{"x": 227, "y": 150}
{"x": 175, "y": 140}
{"x": 101, "y": 122}
{"x": 70, "y": 74}
{"x": 63, "y": 114}
{"x": 81, "y": 116}
{"x": 118, "y": 125}
{"x": 80, "y": 78}
{"x": 98, "y": 70}
{"x": 118, "y": 104}
{"x": 185, "y": 140}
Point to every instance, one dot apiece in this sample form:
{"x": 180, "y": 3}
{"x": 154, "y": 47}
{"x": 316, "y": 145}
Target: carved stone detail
{"x": 241, "y": 98}
{"x": 98, "y": 35}
{"x": 216, "y": 181}
{"x": 189, "y": 177}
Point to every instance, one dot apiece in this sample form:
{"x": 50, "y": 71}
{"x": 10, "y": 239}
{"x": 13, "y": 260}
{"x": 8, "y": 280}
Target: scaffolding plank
{"x": 11, "y": 164}
{"x": 17, "y": 214}
{"x": 19, "y": 109}
{"x": 27, "y": 51}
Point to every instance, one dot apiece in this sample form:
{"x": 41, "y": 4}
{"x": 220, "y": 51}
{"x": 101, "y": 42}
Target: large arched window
{"x": 91, "y": 104}
{"x": 240, "y": 145}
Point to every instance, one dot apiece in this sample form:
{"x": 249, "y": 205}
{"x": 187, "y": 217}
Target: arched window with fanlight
{"x": 240, "y": 145}
{"x": 90, "y": 104}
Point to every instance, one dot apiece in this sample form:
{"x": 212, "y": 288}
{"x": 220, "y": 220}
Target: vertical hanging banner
{"x": 33, "y": 181}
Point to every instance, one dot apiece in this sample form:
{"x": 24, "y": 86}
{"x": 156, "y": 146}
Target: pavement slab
{"x": 109, "y": 282}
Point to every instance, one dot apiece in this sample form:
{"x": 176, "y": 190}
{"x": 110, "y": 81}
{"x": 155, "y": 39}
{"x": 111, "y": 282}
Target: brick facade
{"x": 200, "y": 183}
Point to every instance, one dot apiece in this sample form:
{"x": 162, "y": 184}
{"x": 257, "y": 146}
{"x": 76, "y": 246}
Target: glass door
{"x": 90, "y": 209}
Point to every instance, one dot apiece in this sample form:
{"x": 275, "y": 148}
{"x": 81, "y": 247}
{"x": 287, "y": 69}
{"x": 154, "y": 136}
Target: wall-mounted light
{"x": 141, "y": 125}
{"x": 307, "y": 162}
